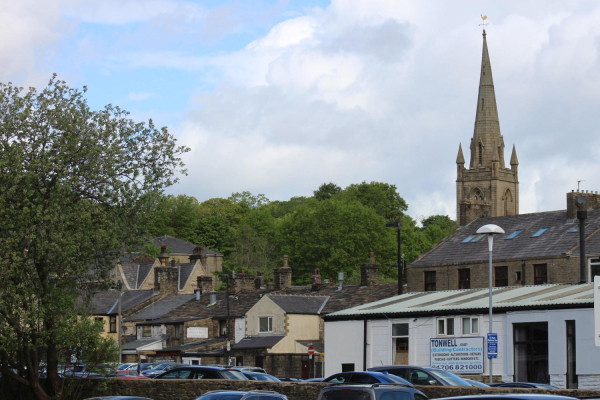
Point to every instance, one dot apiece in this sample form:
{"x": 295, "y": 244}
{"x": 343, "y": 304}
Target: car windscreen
{"x": 231, "y": 374}
{"x": 448, "y": 377}
{"x": 347, "y": 394}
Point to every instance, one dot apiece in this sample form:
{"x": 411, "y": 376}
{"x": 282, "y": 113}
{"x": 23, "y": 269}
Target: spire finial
{"x": 483, "y": 23}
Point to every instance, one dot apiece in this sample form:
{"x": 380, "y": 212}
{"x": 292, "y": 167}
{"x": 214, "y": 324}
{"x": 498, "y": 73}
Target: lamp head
{"x": 490, "y": 229}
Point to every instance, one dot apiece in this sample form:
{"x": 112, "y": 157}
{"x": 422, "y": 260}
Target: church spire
{"x": 460, "y": 159}
{"x": 513, "y": 158}
{"x": 486, "y": 134}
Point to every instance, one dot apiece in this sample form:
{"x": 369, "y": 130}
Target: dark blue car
{"x": 366, "y": 378}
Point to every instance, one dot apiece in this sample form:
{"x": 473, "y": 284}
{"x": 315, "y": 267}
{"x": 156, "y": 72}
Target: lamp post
{"x": 396, "y": 224}
{"x": 490, "y": 230}
{"x": 119, "y": 323}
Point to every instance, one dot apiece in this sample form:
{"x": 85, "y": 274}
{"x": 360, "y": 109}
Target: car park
{"x": 367, "y": 377}
{"x": 202, "y": 372}
{"x": 377, "y": 391}
{"x": 258, "y": 376}
{"x": 423, "y": 375}
{"x": 236, "y": 395}
{"x": 523, "y": 385}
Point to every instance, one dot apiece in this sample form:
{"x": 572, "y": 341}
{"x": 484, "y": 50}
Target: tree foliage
{"x": 75, "y": 184}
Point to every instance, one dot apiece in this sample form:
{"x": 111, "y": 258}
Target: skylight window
{"x": 477, "y": 238}
{"x": 514, "y": 234}
{"x": 539, "y": 233}
{"x": 467, "y": 240}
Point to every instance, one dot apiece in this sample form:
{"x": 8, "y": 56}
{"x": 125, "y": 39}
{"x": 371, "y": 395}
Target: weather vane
{"x": 483, "y": 23}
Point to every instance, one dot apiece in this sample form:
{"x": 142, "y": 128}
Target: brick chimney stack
{"x": 166, "y": 280}
{"x": 242, "y": 283}
{"x": 259, "y": 282}
{"x": 199, "y": 253}
{"x": 283, "y": 275}
{"x": 205, "y": 284}
{"x": 368, "y": 272}
{"x": 592, "y": 200}
{"x": 164, "y": 256}
{"x": 316, "y": 279}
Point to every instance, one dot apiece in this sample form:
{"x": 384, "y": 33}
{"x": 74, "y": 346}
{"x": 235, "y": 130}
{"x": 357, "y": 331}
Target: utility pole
{"x": 119, "y": 323}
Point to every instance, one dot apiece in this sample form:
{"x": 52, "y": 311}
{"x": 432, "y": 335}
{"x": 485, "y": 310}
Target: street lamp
{"x": 396, "y": 224}
{"x": 119, "y": 322}
{"x": 490, "y": 230}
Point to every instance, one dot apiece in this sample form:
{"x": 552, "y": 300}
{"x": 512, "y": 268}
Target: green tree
{"x": 326, "y": 190}
{"x": 177, "y": 216}
{"x": 381, "y": 197}
{"x": 75, "y": 184}
{"x": 335, "y": 236}
{"x": 437, "y": 227}
{"x": 219, "y": 219}
{"x": 247, "y": 201}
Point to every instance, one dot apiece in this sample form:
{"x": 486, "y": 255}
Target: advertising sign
{"x": 492, "y": 345}
{"x": 461, "y": 355}
{"x": 197, "y": 332}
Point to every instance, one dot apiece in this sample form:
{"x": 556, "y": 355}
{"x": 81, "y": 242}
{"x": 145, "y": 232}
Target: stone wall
{"x": 559, "y": 269}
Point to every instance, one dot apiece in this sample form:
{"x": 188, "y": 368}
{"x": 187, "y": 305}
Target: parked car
{"x": 368, "y": 377}
{"x": 476, "y": 383}
{"x": 423, "y": 375}
{"x": 86, "y": 371}
{"x": 314, "y": 380}
{"x": 202, "y": 372}
{"x": 160, "y": 368}
{"x": 126, "y": 374}
{"x": 524, "y": 385}
{"x": 143, "y": 366}
{"x": 377, "y": 391}
{"x": 124, "y": 366}
{"x": 258, "y": 376}
{"x": 243, "y": 368}
{"x": 235, "y": 395}
{"x": 515, "y": 396}
{"x": 293, "y": 379}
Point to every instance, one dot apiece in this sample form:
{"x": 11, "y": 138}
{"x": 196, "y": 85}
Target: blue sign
{"x": 492, "y": 345}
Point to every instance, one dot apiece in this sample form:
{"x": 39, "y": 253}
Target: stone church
{"x": 487, "y": 188}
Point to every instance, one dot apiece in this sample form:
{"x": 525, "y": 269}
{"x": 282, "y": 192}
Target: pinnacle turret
{"x": 513, "y": 158}
{"x": 460, "y": 159}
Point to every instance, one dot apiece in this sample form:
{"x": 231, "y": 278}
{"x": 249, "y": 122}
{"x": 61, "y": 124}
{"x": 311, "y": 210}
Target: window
{"x": 477, "y": 238}
{"x": 468, "y": 239}
{"x": 146, "y": 331}
{"x": 518, "y": 276}
{"x": 347, "y": 368}
{"x": 594, "y": 268}
{"x": 222, "y": 327}
{"x": 470, "y": 326}
{"x": 429, "y": 281}
{"x": 513, "y": 235}
{"x": 265, "y": 324}
{"x": 400, "y": 341}
{"x": 571, "y": 356}
{"x": 539, "y": 232}
{"x": 540, "y": 274}
{"x": 446, "y": 326}
{"x": 113, "y": 324}
{"x": 482, "y": 103}
{"x": 531, "y": 352}
{"x": 464, "y": 278}
{"x": 480, "y": 153}
{"x": 500, "y": 276}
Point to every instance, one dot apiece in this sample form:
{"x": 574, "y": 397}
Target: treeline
{"x": 334, "y": 230}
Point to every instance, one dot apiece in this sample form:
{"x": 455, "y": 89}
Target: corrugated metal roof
{"x": 477, "y": 299}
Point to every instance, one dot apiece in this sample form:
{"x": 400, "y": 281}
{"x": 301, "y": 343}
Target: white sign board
{"x": 461, "y": 355}
{"x": 597, "y": 310}
{"x": 197, "y": 332}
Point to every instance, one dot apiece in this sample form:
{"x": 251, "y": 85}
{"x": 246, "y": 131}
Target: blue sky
{"x": 278, "y": 97}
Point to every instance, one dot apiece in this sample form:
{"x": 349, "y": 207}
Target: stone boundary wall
{"x": 192, "y": 389}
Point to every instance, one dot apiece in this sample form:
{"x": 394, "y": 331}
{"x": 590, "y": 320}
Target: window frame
{"x": 460, "y": 281}
{"x": 269, "y": 324}
{"x": 445, "y": 324}
{"x": 112, "y": 324}
{"x": 536, "y": 276}
{"x": 427, "y": 286}
{"x": 471, "y": 333}
{"x": 505, "y": 278}
{"x": 146, "y": 329}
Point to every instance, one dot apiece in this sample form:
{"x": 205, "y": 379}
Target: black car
{"x": 235, "y": 395}
{"x": 377, "y": 391}
{"x": 202, "y": 372}
{"x": 524, "y": 385}
{"x": 518, "y": 396}
{"x": 423, "y": 375}
{"x": 160, "y": 369}
{"x": 368, "y": 377}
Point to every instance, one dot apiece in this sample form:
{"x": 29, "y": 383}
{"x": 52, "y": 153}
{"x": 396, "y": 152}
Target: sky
{"x": 278, "y": 97}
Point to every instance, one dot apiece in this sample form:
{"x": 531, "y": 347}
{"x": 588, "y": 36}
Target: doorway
{"x": 531, "y": 352}
{"x": 305, "y": 369}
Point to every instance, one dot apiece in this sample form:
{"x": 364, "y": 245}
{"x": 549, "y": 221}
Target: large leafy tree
{"x": 75, "y": 184}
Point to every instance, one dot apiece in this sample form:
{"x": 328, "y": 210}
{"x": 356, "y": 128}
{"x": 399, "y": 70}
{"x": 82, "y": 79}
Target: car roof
{"x": 371, "y": 386}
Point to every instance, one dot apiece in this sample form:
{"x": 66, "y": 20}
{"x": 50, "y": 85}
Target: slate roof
{"x": 107, "y": 302}
{"x": 349, "y": 296}
{"x": 179, "y": 246}
{"x": 160, "y": 307}
{"x": 556, "y": 241}
{"x": 299, "y": 304}
{"x": 141, "y": 342}
{"x": 204, "y": 345}
{"x": 504, "y": 299}
{"x": 185, "y": 270}
{"x": 239, "y": 304}
{"x": 136, "y": 273}
{"x": 258, "y": 342}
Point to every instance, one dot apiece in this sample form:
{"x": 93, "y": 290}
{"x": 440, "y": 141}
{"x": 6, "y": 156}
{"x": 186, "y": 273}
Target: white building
{"x": 545, "y": 334}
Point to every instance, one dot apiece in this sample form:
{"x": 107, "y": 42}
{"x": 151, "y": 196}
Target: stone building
{"x": 536, "y": 249}
{"x": 487, "y": 188}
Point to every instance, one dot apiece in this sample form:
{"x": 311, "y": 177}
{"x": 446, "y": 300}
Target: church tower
{"x": 487, "y": 188}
